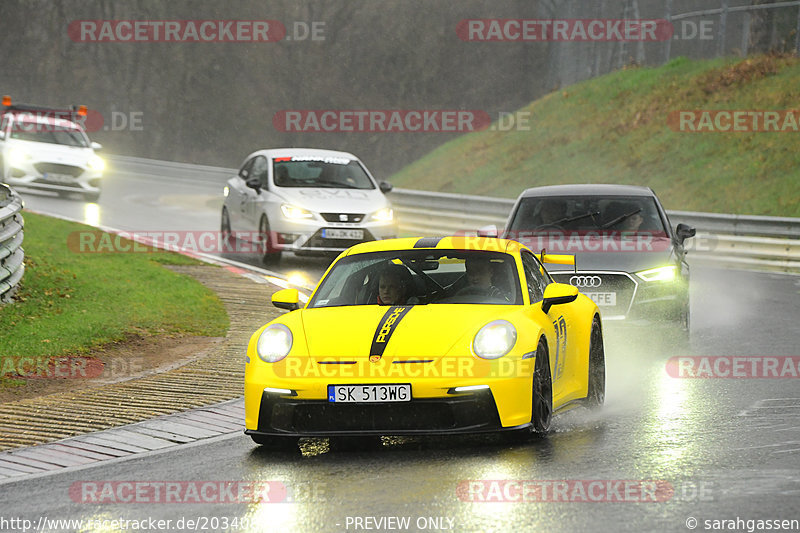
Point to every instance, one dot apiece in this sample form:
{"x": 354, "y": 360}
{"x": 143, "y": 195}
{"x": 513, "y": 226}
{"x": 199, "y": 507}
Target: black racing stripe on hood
{"x": 428, "y": 242}
{"x": 386, "y": 327}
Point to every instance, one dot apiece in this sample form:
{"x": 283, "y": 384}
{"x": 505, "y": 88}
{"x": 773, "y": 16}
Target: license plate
{"x": 342, "y": 233}
{"x": 369, "y": 393}
{"x": 58, "y": 178}
{"x": 602, "y": 299}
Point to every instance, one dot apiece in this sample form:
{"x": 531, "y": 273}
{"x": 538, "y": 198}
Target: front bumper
{"x": 312, "y": 235}
{"x": 474, "y": 412}
{"x": 43, "y": 175}
{"x": 503, "y": 402}
{"x": 637, "y": 303}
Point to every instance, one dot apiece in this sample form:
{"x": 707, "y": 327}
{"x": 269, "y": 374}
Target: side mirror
{"x": 385, "y": 187}
{"x": 253, "y": 183}
{"x": 557, "y": 294}
{"x": 96, "y": 146}
{"x": 488, "y": 231}
{"x": 287, "y": 299}
{"x": 683, "y": 232}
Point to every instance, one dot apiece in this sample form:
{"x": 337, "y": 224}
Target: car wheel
{"x": 542, "y": 392}
{"x": 275, "y": 443}
{"x": 269, "y": 255}
{"x": 90, "y": 196}
{"x": 597, "y": 367}
{"x": 225, "y": 232}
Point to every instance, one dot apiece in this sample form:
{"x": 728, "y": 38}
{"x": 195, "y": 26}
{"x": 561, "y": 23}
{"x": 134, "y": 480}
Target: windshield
{"x": 332, "y": 172}
{"x": 606, "y": 214}
{"x": 48, "y": 133}
{"x": 420, "y": 277}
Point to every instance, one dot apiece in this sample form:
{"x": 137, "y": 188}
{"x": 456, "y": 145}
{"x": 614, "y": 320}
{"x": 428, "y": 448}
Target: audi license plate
{"x": 369, "y": 393}
{"x": 603, "y": 299}
{"x": 342, "y": 233}
{"x": 58, "y": 178}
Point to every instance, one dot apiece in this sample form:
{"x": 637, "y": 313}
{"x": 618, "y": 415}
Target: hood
{"x": 619, "y": 261}
{"x": 633, "y": 254}
{"x": 347, "y": 333}
{"x": 54, "y": 153}
{"x": 335, "y": 200}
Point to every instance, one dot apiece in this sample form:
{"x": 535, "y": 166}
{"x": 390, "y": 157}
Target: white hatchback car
{"x": 305, "y": 201}
{"x": 41, "y": 150}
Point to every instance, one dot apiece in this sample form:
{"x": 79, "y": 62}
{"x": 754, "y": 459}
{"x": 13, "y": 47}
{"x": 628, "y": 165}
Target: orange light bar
{"x": 7, "y": 101}
{"x": 81, "y": 110}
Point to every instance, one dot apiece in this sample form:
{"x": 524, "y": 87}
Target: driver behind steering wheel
{"x": 479, "y": 279}
{"x": 551, "y": 213}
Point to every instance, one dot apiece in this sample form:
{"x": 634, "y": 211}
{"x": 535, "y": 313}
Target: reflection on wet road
{"x": 664, "y": 450}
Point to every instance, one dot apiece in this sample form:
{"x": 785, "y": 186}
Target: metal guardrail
{"x": 737, "y": 241}
{"x": 12, "y": 255}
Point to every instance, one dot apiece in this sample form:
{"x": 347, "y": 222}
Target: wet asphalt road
{"x": 716, "y": 449}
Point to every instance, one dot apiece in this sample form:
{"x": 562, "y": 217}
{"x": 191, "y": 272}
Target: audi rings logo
{"x": 585, "y": 281}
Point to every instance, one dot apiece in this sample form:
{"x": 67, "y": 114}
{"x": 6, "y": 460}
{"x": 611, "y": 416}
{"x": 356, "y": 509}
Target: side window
{"x": 260, "y": 170}
{"x": 533, "y": 276}
{"x": 244, "y": 172}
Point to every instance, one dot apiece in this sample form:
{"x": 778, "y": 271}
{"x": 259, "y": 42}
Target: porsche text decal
{"x": 386, "y": 327}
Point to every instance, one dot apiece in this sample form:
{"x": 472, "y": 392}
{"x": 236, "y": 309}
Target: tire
{"x": 225, "y": 233}
{"x": 91, "y": 196}
{"x": 269, "y": 255}
{"x": 541, "y": 392}
{"x": 597, "y": 367}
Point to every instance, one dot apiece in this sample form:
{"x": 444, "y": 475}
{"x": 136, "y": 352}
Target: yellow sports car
{"x": 425, "y": 336}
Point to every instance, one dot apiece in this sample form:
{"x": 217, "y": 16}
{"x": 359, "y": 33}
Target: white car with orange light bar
{"x": 47, "y": 149}
{"x": 425, "y": 336}
{"x": 306, "y": 201}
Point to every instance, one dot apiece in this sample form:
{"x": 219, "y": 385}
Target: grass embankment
{"x": 614, "y": 129}
{"x": 70, "y": 303}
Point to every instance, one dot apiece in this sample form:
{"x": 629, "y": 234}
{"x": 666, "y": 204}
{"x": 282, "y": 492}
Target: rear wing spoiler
{"x": 557, "y": 259}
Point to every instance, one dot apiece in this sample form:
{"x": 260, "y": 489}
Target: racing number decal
{"x": 386, "y": 327}
{"x": 560, "y": 325}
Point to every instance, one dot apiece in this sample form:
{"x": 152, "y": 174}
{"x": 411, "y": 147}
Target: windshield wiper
{"x": 573, "y": 219}
{"x": 334, "y": 185}
{"x": 619, "y": 219}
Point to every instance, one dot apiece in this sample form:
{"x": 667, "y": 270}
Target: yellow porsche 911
{"x": 425, "y": 336}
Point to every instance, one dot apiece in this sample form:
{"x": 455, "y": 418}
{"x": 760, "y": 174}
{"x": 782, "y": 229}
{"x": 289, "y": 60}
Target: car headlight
{"x": 666, "y": 273}
{"x": 274, "y": 343}
{"x": 226, "y": 191}
{"x": 18, "y": 156}
{"x": 96, "y": 162}
{"x": 383, "y": 215}
{"x": 494, "y": 340}
{"x": 294, "y": 213}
